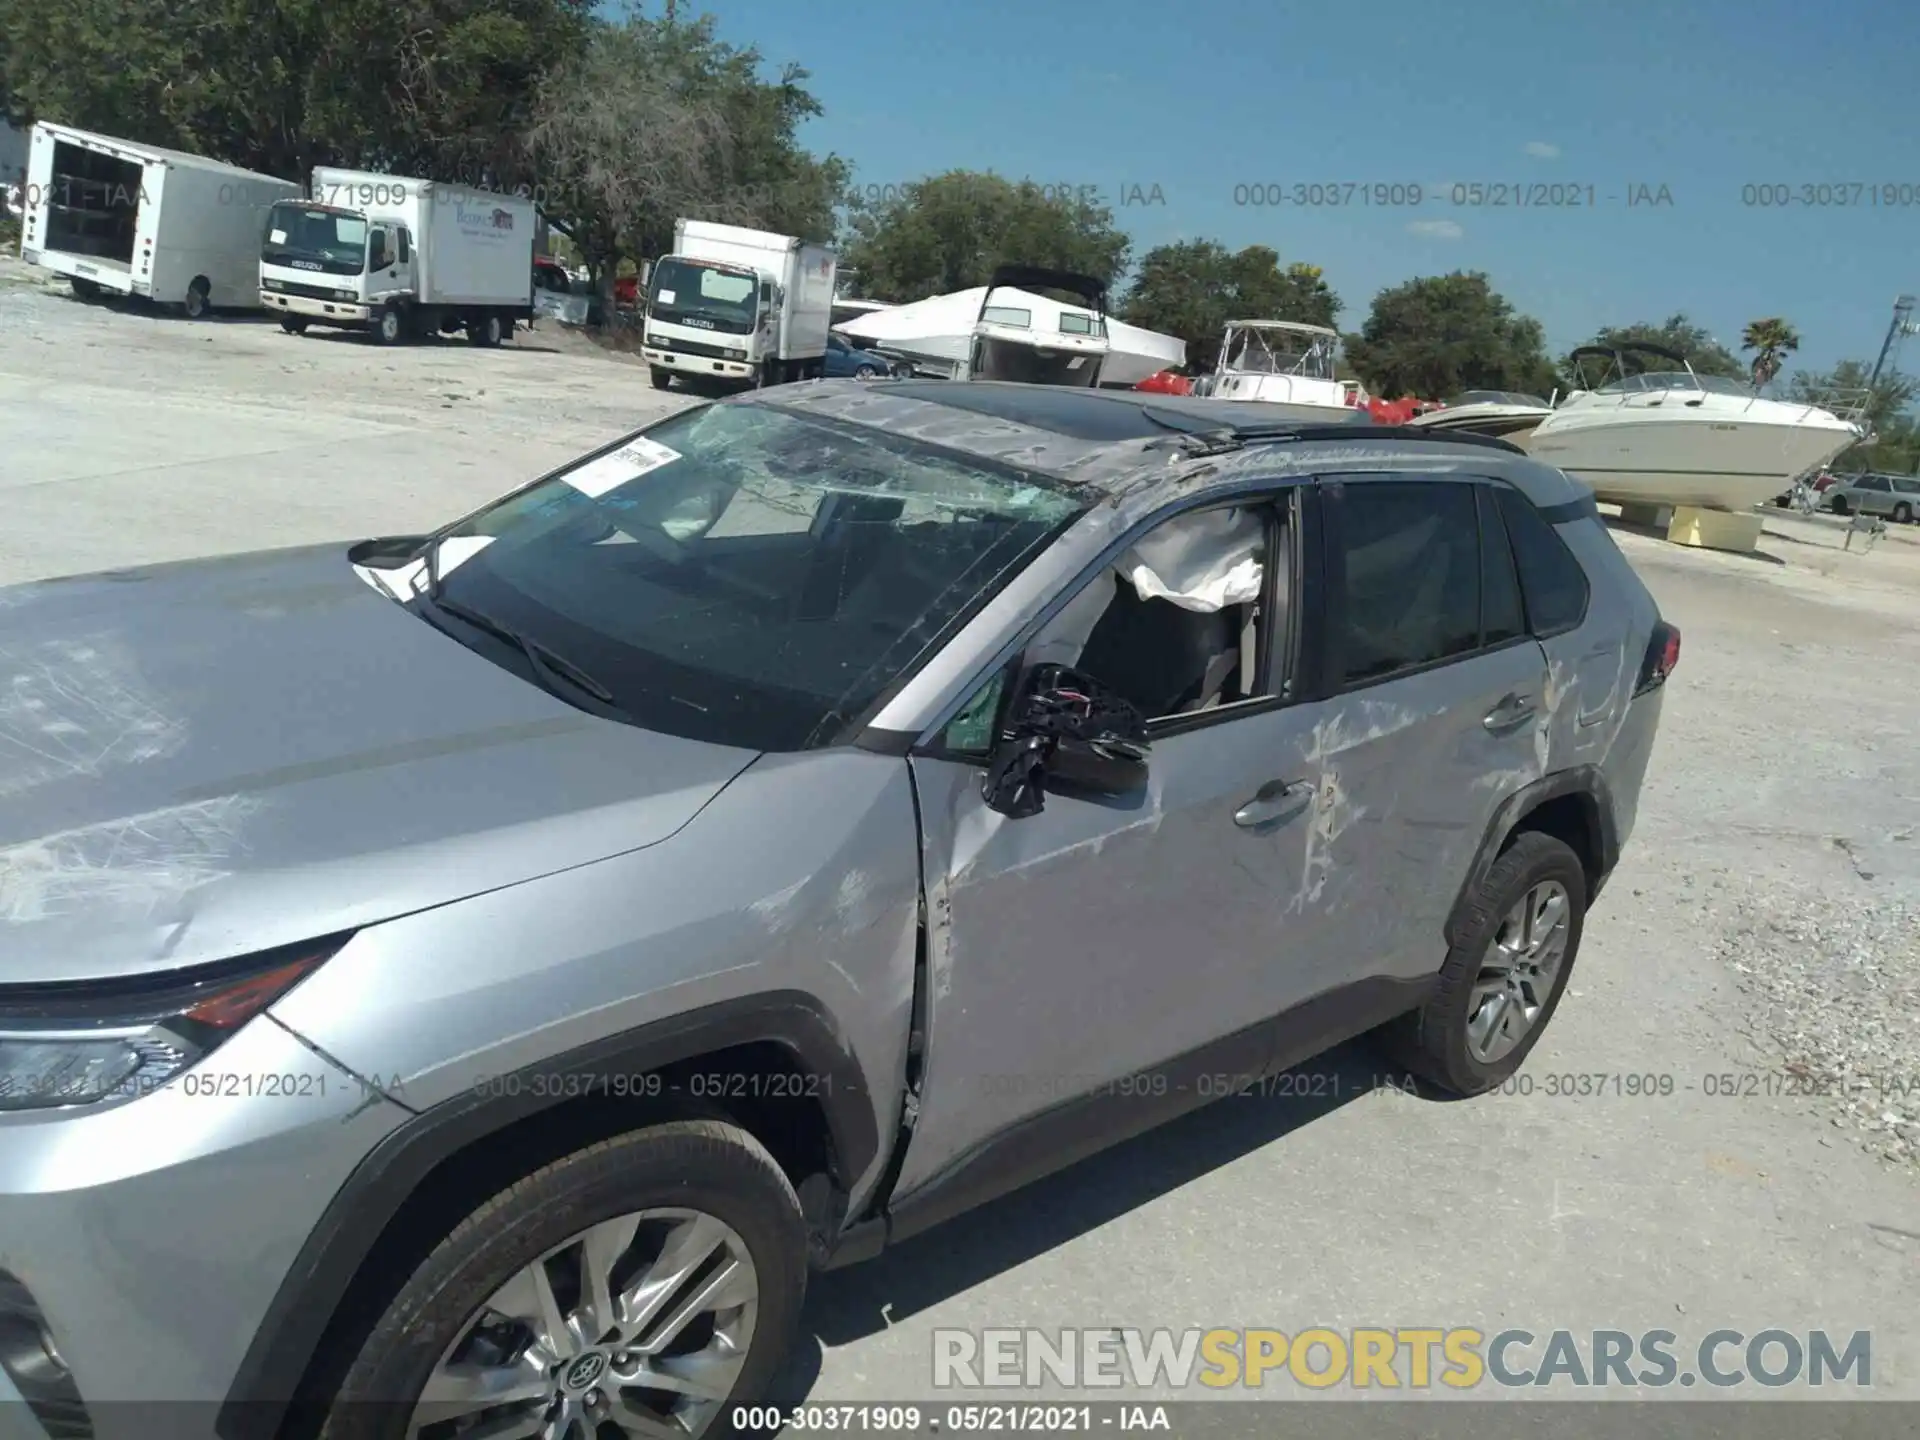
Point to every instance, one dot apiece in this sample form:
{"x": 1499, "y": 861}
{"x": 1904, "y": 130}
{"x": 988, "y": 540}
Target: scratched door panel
{"x": 1089, "y": 943}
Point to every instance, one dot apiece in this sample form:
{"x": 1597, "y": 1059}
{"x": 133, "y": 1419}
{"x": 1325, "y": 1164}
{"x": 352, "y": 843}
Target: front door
{"x": 1082, "y": 952}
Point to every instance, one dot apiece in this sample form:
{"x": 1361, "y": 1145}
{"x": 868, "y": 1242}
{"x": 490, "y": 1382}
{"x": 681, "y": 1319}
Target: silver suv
{"x": 1891, "y": 497}
{"x": 475, "y": 976}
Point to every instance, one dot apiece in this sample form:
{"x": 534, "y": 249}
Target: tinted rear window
{"x": 1554, "y": 585}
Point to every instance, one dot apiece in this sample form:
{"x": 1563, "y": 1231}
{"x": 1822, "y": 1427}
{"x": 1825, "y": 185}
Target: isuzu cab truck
{"x": 737, "y": 307}
{"x": 399, "y": 258}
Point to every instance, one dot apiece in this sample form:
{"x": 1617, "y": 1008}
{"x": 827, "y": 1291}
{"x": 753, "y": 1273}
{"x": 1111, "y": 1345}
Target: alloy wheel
{"x": 638, "y": 1326}
{"x": 1518, "y": 972}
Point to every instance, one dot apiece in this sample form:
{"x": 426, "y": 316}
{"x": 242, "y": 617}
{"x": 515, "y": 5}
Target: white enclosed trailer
{"x": 399, "y": 258}
{"x": 118, "y": 217}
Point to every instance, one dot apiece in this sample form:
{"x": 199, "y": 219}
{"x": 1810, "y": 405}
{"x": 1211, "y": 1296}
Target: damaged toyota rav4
{"x": 463, "y": 983}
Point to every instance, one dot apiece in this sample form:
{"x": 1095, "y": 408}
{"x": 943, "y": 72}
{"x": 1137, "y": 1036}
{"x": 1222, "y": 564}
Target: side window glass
{"x": 1503, "y": 616}
{"x": 1552, "y": 581}
{"x": 1175, "y": 624}
{"x": 1412, "y": 576}
{"x": 971, "y": 731}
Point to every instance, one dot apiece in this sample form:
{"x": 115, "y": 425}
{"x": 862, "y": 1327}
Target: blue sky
{"x": 1704, "y": 97}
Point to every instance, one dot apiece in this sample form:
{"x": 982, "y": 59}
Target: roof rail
{"x": 1237, "y": 435}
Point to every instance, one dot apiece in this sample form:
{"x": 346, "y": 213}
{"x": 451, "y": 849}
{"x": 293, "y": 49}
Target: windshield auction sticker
{"x": 620, "y": 467}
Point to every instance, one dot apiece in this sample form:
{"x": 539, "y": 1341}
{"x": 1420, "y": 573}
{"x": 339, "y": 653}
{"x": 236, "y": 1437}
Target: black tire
{"x": 389, "y": 326}
{"x": 83, "y": 288}
{"x": 484, "y": 331}
{"x": 1432, "y": 1041}
{"x": 293, "y": 325}
{"x": 662, "y": 379}
{"x": 1903, "y": 514}
{"x": 700, "y": 1165}
{"x": 866, "y": 372}
{"x": 1838, "y": 505}
{"x": 196, "y": 305}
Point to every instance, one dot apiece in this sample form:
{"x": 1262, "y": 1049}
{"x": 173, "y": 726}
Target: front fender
{"x": 359, "y": 1216}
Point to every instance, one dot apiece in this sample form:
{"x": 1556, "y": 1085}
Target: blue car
{"x": 848, "y": 361}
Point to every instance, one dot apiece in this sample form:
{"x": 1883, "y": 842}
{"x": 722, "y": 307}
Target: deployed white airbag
{"x": 1202, "y": 562}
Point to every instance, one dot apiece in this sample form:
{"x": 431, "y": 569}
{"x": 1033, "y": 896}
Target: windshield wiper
{"x": 547, "y": 665}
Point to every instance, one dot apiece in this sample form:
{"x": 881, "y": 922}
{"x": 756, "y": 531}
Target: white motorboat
{"x": 1506, "y": 413}
{"x": 1007, "y": 347}
{"x": 1671, "y": 437}
{"x": 936, "y": 334}
{"x": 1280, "y": 361}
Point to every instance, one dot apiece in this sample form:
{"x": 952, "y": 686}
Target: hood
{"x": 205, "y": 759}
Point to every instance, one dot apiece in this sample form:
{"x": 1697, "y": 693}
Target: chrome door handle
{"x": 1273, "y": 804}
{"x": 1512, "y": 710}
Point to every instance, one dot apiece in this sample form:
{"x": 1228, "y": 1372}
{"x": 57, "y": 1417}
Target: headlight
{"x": 344, "y": 295}
{"x": 736, "y": 354}
{"x": 273, "y": 284}
{"x": 80, "y": 1044}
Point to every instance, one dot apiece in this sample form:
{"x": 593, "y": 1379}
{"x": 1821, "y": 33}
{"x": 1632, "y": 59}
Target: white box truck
{"x": 741, "y": 307}
{"x": 116, "y": 217}
{"x": 398, "y": 258}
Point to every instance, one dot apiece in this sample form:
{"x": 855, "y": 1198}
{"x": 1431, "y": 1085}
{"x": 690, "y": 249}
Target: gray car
{"x": 1891, "y": 497}
{"x": 486, "y": 971}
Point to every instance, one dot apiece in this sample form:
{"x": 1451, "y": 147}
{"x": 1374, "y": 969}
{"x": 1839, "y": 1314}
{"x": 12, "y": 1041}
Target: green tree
{"x": 948, "y": 232}
{"x": 1438, "y": 335}
{"x": 1771, "y": 340}
{"x": 438, "y": 88}
{"x": 1192, "y": 288}
{"x": 1888, "y": 410}
{"x": 655, "y": 120}
{"x": 1677, "y": 333}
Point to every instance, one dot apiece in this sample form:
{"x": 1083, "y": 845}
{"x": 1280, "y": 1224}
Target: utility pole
{"x": 1901, "y": 327}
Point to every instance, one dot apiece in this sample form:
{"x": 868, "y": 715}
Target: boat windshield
{"x": 1678, "y": 380}
{"x": 1279, "y": 352}
{"x": 1498, "y": 397}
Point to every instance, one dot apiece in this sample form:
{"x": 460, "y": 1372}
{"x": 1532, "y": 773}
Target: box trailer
{"x": 117, "y": 217}
{"x": 399, "y": 258}
{"x": 738, "y": 306}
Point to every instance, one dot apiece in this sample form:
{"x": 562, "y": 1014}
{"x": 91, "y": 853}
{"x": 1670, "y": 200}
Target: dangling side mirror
{"x": 1066, "y": 732}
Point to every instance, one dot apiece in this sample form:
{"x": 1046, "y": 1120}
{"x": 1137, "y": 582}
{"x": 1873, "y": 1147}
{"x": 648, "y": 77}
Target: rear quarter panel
{"x": 1591, "y": 672}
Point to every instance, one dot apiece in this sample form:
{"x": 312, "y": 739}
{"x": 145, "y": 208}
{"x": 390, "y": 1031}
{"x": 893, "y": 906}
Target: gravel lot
{"x": 1760, "y": 937}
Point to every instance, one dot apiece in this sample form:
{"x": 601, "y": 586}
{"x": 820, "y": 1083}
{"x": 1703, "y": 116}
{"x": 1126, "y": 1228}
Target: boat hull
{"x": 1715, "y": 463}
{"x": 1509, "y": 422}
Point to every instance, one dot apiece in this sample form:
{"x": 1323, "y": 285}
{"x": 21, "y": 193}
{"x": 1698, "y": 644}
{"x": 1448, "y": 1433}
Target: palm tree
{"x": 1771, "y": 340}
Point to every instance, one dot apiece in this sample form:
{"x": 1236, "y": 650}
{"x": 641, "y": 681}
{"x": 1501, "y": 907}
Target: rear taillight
{"x": 1663, "y": 656}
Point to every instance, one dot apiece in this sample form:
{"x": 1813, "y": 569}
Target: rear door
{"x": 1439, "y": 697}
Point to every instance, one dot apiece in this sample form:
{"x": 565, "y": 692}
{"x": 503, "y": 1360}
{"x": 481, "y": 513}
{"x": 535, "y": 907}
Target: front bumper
{"x": 339, "y": 312}
{"x": 698, "y": 364}
{"x": 148, "y": 1239}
